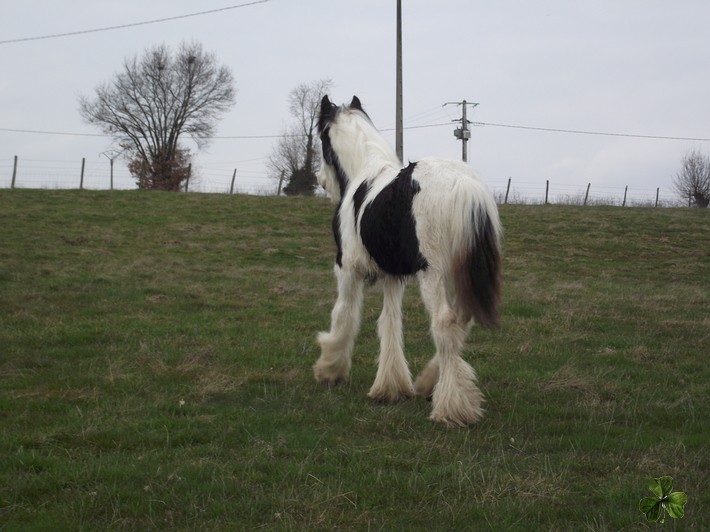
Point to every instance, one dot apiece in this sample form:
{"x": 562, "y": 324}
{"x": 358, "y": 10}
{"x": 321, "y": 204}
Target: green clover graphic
{"x": 665, "y": 500}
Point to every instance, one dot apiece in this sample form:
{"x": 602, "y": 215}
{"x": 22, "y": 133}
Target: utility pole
{"x": 399, "y": 144}
{"x": 463, "y": 133}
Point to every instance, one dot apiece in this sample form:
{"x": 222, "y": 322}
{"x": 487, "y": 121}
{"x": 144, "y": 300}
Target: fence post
{"x": 189, "y": 173}
{"x": 14, "y": 173}
{"x": 586, "y": 195}
{"x": 81, "y": 181}
{"x": 231, "y": 188}
{"x": 507, "y": 190}
{"x": 547, "y": 191}
{"x": 111, "y": 173}
{"x": 657, "y": 191}
{"x": 626, "y": 189}
{"x": 281, "y": 180}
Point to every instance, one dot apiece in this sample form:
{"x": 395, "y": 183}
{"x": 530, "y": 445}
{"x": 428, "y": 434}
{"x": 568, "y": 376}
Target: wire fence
{"x": 105, "y": 174}
{"x": 220, "y": 178}
{"x": 522, "y": 192}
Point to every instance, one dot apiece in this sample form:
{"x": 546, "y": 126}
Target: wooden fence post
{"x": 507, "y": 190}
{"x": 111, "y": 173}
{"x": 189, "y": 173}
{"x": 626, "y": 189}
{"x": 657, "y": 192}
{"x": 281, "y": 180}
{"x": 231, "y": 188}
{"x": 547, "y": 191}
{"x": 586, "y": 195}
{"x": 81, "y": 180}
{"x": 14, "y": 173}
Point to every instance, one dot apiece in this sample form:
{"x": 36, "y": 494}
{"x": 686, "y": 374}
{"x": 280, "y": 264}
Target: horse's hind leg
{"x": 393, "y": 381}
{"x": 427, "y": 379}
{"x": 456, "y": 398}
{"x": 429, "y": 376}
{"x": 335, "y": 360}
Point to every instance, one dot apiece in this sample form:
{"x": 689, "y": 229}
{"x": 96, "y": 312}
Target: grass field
{"x": 155, "y": 372}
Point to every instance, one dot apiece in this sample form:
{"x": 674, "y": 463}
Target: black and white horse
{"x": 434, "y": 220}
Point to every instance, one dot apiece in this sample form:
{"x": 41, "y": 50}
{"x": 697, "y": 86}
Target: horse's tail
{"x": 477, "y": 274}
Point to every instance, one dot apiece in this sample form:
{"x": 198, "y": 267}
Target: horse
{"x": 434, "y": 220}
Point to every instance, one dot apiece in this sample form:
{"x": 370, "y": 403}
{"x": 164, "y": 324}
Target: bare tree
{"x": 155, "y": 102}
{"x": 295, "y": 154}
{"x": 692, "y": 182}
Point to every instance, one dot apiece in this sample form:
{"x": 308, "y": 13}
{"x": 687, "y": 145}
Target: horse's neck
{"x": 377, "y": 159}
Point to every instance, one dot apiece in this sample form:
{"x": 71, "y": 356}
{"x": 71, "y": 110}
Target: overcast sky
{"x": 638, "y": 67}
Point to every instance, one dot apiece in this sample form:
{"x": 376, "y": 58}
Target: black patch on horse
{"x": 387, "y": 227}
{"x": 325, "y": 117}
{"x": 336, "y": 235}
{"x": 331, "y": 158}
{"x": 359, "y": 198}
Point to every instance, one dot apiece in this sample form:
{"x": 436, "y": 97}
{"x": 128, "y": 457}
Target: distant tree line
{"x": 159, "y": 98}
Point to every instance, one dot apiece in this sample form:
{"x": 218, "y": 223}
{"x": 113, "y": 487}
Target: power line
{"x": 598, "y": 133}
{"x": 133, "y": 24}
{"x": 73, "y": 134}
{"x": 217, "y": 137}
{"x": 425, "y": 126}
{"x": 64, "y": 133}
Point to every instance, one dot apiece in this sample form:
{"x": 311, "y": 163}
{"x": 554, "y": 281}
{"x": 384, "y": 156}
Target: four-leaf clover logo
{"x": 665, "y": 500}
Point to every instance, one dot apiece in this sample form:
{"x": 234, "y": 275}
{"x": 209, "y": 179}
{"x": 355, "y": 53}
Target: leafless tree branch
{"x": 692, "y": 182}
{"x": 155, "y": 102}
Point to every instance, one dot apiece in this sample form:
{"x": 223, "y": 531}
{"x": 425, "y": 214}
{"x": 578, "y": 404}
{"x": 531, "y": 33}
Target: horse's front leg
{"x": 393, "y": 381}
{"x": 335, "y": 360}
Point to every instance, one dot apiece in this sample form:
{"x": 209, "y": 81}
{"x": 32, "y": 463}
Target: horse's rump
{"x": 457, "y": 220}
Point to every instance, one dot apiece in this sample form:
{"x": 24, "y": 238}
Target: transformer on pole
{"x": 463, "y": 133}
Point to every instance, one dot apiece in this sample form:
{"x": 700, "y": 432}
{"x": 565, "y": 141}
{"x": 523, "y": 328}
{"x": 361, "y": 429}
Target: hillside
{"x": 155, "y": 371}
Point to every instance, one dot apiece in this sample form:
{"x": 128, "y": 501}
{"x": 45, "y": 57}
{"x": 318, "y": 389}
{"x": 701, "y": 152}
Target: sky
{"x": 626, "y": 67}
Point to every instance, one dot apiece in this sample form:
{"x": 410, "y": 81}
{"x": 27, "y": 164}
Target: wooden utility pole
{"x": 399, "y": 139}
{"x": 463, "y": 133}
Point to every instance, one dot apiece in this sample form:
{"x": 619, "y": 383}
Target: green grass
{"x": 155, "y": 372}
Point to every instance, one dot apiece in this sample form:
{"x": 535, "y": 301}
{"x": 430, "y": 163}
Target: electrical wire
{"x": 479, "y": 124}
{"x": 131, "y": 25}
{"x": 64, "y": 133}
{"x": 598, "y": 133}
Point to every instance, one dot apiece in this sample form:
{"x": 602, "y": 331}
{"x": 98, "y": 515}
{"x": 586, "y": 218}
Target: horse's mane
{"x": 378, "y": 152}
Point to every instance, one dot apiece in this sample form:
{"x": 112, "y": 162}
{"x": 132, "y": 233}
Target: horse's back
{"x": 453, "y": 203}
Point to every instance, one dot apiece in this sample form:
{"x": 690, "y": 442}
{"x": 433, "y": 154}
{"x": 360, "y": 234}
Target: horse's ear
{"x": 326, "y": 107}
{"x": 355, "y": 104}
{"x": 327, "y": 113}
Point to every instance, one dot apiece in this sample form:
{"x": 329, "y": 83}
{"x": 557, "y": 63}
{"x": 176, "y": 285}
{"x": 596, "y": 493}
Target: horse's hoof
{"x": 390, "y": 396}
